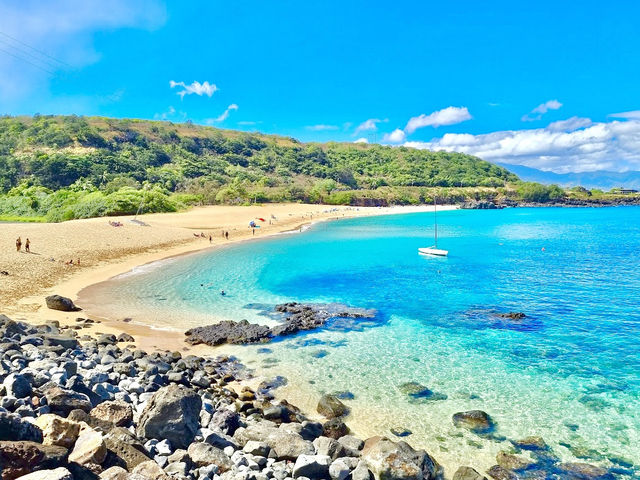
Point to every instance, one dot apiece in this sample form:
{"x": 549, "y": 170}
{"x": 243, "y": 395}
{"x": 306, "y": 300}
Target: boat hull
{"x": 436, "y": 252}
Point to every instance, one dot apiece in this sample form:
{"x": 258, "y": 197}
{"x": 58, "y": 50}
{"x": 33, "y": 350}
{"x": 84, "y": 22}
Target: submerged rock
{"x": 512, "y": 462}
{"x": 418, "y": 392}
{"x": 330, "y": 407}
{"x": 475, "y": 420}
{"x": 584, "y": 471}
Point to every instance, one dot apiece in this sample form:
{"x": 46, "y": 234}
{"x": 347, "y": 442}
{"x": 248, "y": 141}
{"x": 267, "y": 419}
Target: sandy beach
{"x": 101, "y": 251}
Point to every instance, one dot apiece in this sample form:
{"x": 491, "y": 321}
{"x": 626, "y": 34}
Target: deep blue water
{"x": 569, "y": 371}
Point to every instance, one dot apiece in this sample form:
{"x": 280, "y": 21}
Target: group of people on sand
{"x": 27, "y": 245}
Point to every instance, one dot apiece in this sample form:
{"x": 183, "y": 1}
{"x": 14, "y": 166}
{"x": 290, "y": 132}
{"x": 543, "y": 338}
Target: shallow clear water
{"x": 569, "y": 372}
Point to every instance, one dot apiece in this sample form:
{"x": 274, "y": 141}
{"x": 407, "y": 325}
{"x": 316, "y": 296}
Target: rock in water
{"x": 475, "y": 420}
{"x": 467, "y": 473}
{"x": 512, "y": 462}
{"x": 498, "y": 473}
{"x": 388, "y": 460}
{"x": 331, "y": 407}
{"x": 584, "y": 471}
{"x": 172, "y": 413}
{"x": 57, "y": 302}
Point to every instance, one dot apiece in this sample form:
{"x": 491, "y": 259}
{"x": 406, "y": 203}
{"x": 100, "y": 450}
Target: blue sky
{"x": 551, "y": 85}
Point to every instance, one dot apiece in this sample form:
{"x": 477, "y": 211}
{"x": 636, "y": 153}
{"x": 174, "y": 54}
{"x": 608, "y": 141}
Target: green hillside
{"x": 63, "y": 167}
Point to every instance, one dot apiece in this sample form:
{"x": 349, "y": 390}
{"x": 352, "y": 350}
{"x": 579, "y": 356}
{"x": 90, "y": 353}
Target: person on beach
{"x": 27, "y": 246}
{"x": 18, "y": 244}
{"x": 226, "y": 235}
{"x": 210, "y": 239}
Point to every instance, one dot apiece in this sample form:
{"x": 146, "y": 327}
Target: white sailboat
{"x": 434, "y": 250}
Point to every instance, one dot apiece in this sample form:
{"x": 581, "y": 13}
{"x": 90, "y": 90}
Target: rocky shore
{"x": 294, "y": 317}
{"x": 78, "y": 407}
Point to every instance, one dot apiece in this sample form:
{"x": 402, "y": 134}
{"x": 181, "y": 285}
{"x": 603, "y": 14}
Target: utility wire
{"x": 35, "y": 49}
{"x": 21, "y": 51}
{"x": 27, "y": 61}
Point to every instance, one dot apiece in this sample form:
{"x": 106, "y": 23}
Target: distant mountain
{"x": 599, "y": 179}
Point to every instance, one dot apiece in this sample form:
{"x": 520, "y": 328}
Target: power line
{"x": 24, "y": 52}
{"x": 35, "y": 49}
{"x": 27, "y": 61}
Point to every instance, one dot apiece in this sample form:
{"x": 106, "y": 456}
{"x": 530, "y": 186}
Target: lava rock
{"x": 172, "y": 413}
{"x": 64, "y": 304}
{"x": 12, "y": 427}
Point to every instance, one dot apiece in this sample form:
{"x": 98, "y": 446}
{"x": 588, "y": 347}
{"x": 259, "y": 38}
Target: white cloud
{"x": 396, "y": 136}
{"x": 631, "y": 115}
{"x": 361, "y": 140}
{"x": 367, "y": 125}
{"x": 223, "y": 116}
{"x": 321, "y": 127}
{"x": 62, "y": 33}
{"x": 541, "y": 110}
{"x": 197, "y": 88}
{"x": 247, "y": 122}
{"x": 611, "y": 146}
{"x": 570, "y": 124}
{"x": 171, "y": 114}
{"x": 446, "y": 116}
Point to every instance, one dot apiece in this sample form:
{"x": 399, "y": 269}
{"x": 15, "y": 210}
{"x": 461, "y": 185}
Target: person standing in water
{"x": 18, "y": 244}
{"x": 27, "y": 246}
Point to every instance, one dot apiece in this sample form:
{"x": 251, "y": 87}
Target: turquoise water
{"x": 569, "y": 372}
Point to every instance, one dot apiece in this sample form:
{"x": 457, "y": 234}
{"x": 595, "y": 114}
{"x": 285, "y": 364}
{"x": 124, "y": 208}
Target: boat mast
{"x": 435, "y": 220}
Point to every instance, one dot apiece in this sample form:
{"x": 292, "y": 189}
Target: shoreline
{"x": 180, "y": 240}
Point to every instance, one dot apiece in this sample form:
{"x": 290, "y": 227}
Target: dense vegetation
{"x": 62, "y": 167}
{"x": 74, "y": 167}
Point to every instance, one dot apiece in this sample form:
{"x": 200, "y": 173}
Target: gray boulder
{"x": 203, "y": 454}
{"x": 12, "y": 427}
{"x": 17, "y": 385}
{"x": 57, "y": 302}
{"x": 388, "y": 460}
{"x": 467, "y": 473}
{"x": 289, "y": 446}
{"x": 21, "y": 458}
{"x": 328, "y": 446}
{"x": 331, "y": 407}
{"x": 312, "y": 466}
{"x": 172, "y": 413}
{"x": 62, "y": 401}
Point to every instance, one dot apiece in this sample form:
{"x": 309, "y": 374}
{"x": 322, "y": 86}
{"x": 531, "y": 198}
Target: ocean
{"x": 569, "y": 371}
